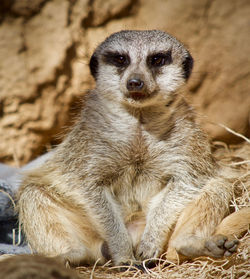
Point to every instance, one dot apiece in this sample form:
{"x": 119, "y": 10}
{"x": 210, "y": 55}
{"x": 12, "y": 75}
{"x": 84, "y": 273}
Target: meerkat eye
{"x": 117, "y": 59}
{"x": 160, "y": 59}
{"x": 120, "y": 59}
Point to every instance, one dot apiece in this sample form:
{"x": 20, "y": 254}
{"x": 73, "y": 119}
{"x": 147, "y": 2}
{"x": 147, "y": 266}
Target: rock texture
{"x": 44, "y": 51}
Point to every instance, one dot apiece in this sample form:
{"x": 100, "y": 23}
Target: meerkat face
{"x": 140, "y": 67}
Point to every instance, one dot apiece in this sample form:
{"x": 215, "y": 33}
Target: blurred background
{"x": 45, "y": 46}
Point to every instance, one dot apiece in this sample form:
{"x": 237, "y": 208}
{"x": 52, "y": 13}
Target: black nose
{"x": 135, "y": 84}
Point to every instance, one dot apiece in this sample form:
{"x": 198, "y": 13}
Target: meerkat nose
{"x": 135, "y": 84}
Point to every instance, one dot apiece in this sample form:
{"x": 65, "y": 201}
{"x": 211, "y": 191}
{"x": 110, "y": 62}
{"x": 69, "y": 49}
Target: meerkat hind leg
{"x": 224, "y": 241}
{"x": 57, "y": 229}
{"x": 195, "y": 232}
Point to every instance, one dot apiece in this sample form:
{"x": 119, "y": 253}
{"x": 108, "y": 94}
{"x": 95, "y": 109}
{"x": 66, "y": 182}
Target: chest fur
{"x": 129, "y": 160}
{"x": 140, "y": 171}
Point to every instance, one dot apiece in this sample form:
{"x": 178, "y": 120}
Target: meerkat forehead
{"x": 142, "y": 42}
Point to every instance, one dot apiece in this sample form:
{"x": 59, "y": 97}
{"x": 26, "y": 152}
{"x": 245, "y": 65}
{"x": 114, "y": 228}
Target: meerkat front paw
{"x": 132, "y": 265}
{"x": 148, "y": 249}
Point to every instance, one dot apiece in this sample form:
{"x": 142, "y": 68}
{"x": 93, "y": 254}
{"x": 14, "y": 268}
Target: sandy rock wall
{"x": 44, "y": 51}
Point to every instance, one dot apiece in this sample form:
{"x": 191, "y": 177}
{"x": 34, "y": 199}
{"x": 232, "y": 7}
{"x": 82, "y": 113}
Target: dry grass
{"x": 237, "y": 266}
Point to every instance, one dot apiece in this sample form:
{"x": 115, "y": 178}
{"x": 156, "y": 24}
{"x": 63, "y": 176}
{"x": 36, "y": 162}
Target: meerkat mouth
{"x": 138, "y": 95}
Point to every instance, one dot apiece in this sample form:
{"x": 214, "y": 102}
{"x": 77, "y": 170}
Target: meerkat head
{"x": 140, "y": 67}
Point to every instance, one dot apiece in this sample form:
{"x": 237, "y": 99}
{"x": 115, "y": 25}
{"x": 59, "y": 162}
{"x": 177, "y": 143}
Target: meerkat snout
{"x": 135, "y": 84}
{"x": 136, "y": 88}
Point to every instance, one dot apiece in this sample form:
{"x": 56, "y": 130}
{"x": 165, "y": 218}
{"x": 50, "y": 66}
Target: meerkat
{"x": 117, "y": 185}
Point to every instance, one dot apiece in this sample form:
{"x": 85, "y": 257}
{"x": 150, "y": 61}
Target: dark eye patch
{"x": 93, "y": 65}
{"x": 160, "y": 59}
{"x": 187, "y": 65}
{"x": 119, "y": 60}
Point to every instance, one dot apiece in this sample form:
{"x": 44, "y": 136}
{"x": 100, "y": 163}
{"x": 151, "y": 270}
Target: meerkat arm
{"x": 164, "y": 211}
{"x": 105, "y": 213}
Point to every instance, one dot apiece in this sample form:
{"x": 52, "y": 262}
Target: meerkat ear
{"x": 93, "y": 65}
{"x": 187, "y": 66}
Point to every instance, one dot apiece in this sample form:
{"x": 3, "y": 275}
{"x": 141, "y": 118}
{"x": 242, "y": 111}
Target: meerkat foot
{"x": 217, "y": 246}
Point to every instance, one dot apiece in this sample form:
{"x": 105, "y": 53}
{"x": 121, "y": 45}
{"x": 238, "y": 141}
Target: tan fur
{"x": 235, "y": 224}
{"x": 134, "y": 162}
